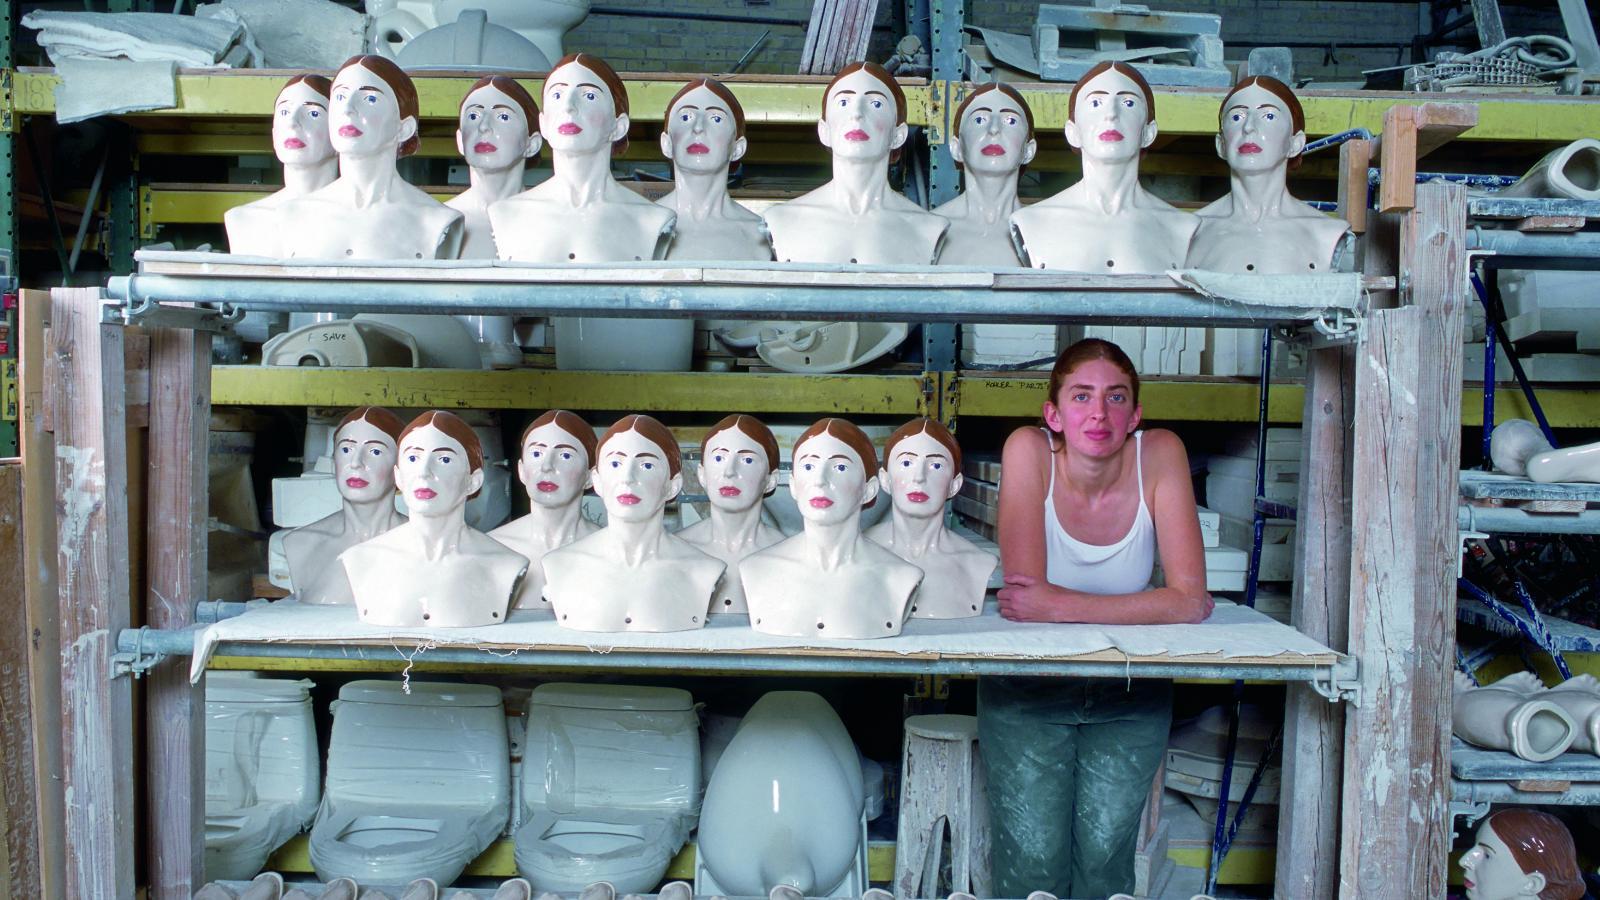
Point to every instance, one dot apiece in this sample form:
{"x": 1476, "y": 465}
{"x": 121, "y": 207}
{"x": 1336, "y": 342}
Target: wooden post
{"x": 180, "y": 414}
{"x": 16, "y": 735}
{"x": 93, "y": 564}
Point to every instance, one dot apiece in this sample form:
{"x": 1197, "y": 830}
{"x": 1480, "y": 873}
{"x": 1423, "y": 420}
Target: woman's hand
{"x": 1197, "y": 608}
{"x": 1028, "y": 599}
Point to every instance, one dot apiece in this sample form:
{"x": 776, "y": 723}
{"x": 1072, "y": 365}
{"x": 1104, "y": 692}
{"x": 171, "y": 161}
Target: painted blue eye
{"x": 615, "y": 464}
{"x": 843, "y": 102}
{"x": 316, "y": 114}
{"x": 411, "y": 458}
{"x": 445, "y": 460}
{"x": 1012, "y": 120}
{"x": 372, "y": 99}
{"x": 375, "y": 451}
{"x": 1128, "y": 103}
{"x": 841, "y": 467}
{"x": 566, "y": 454}
{"x": 1272, "y": 117}
{"x": 905, "y": 463}
{"x": 749, "y": 460}
{"x": 937, "y": 466}
{"x": 807, "y": 467}
{"x": 717, "y": 119}
{"x": 716, "y": 457}
{"x": 648, "y": 465}
{"x": 877, "y": 104}
{"x": 345, "y": 450}
{"x": 589, "y": 95}
{"x": 536, "y": 454}
{"x": 505, "y": 117}
{"x": 555, "y": 95}
{"x": 472, "y": 117}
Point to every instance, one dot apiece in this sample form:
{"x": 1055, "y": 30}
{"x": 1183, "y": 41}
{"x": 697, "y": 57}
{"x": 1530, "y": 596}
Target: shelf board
{"x": 1479, "y": 485}
{"x": 1569, "y": 637}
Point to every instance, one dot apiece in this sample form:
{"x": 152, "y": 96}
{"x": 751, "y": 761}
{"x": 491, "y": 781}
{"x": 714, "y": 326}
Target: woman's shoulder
{"x": 1028, "y": 438}
{"x": 1164, "y": 452}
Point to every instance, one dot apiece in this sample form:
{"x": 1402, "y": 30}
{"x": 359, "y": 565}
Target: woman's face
{"x": 300, "y": 126}
{"x": 921, "y": 476}
{"x": 364, "y": 117}
{"x": 633, "y": 477}
{"x": 578, "y": 113}
{"x": 1095, "y": 411}
{"x": 1492, "y": 873}
{"x": 433, "y": 473}
{"x": 701, "y": 135}
{"x": 735, "y": 471}
{"x": 1111, "y": 120}
{"x": 1257, "y": 132}
{"x": 363, "y": 463}
{"x": 492, "y": 132}
{"x": 862, "y": 121}
{"x": 830, "y": 483}
{"x": 994, "y": 136}
{"x": 554, "y": 467}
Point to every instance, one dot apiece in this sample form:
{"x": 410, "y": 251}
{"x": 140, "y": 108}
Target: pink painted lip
{"x": 993, "y": 150}
{"x": 628, "y": 499}
{"x": 484, "y": 147}
{"x": 820, "y": 503}
{"x": 293, "y": 144}
{"x": 1110, "y": 135}
{"x": 729, "y": 491}
{"x": 547, "y": 487}
{"x": 569, "y": 128}
{"x": 856, "y": 134}
{"x": 697, "y": 149}
{"x": 357, "y": 483}
{"x": 349, "y": 131}
{"x": 917, "y": 497}
{"x": 424, "y": 493}
{"x": 1248, "y": 147}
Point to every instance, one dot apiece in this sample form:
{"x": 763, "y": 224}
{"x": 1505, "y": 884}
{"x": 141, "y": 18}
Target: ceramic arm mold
{"x": 1580, "y": 697}
{"x": 1506, "y": 716}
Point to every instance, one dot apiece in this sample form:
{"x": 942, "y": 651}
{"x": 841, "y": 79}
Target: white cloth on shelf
{"x": 140, "y": 37}
{"x": 298, "y": 34}
{"x": 107, "y": 87}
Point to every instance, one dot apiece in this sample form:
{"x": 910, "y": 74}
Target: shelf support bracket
{"x": 150, "y": 314}
{"x": 137, "y": 661}
{"x": 1342, "y": 682}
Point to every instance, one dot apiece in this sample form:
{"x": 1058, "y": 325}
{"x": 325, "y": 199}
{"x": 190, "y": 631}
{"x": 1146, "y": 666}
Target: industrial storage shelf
{"x": 1479, "y": 485}
{"x": 1480, "y": 777}
{"x": 1567, "y": 637}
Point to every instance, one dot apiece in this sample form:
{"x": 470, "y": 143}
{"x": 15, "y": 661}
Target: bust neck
{"x": 556, "y": 526}
{"x": 859, "y": 185}
{"x": 299, "y": 179}
{"x": 1254, "y": 196}
{"x": 991, "y": 198}
{"x": 583, "y": 178}
{"x": 493, "y": 185}
{"x": 915, "y": 536}
{"x": 736, "y": 529}
{"x": 365, "y": 521}
{"x": 440, "y": 536}
{"x": 370, "y": 179}
{"x": 1111, "y": 186}
{"x": 635, "y": 542}
{"x": 830, "y": 547}
{"x": 699, "y": 196}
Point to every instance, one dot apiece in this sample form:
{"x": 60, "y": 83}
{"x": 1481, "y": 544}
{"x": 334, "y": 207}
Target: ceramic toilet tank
{"x": 418, "y": 782}
{"x": 610, "y": 785}
{"x": 262, "y": 769}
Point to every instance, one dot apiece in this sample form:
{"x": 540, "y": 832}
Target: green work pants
{"x": 1069, "y": 763}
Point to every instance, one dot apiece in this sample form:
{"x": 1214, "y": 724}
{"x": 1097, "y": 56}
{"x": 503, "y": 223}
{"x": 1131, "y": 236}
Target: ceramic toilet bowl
{"x": 610, "y": 785}
{"x": 261, "y": 770}
{"x": 784, "y": 806}
{"x": 418, "y": 784}
{"x": 544, "y": 22}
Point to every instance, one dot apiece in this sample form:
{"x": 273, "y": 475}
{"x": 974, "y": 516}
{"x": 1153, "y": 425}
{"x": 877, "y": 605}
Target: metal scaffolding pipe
{"x": 1579, "y": 250}
{"x": 1508, "y": 520}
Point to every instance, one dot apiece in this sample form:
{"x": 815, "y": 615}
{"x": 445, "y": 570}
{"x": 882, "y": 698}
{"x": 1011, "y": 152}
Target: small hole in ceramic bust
{"x": 494, "y": 615}
{"x": 728, "y": 602}
{"x": 819, "y": 626}
{"x": 419, "y": 256}
{"x": 888, "y": 625}
{"x": 913, "y": 609}
{"x": 974, "y": 608}
{"x": 349, "y": 253}
{"x": 758, "y": 621}
{"x": 426, "y": 617}
{"x": 572, "y": 256}
{"x": 1311, "y": 265}
{"x": 366, "y": 612}
{"x": 694, "y": 618}
{"x": 563, "y": 617}
{"x": 1249, "y": 267}
{"x": 1110, "y": 263}
{"x": 1041, "y": 265}
{"x": 627, "y": 620}
{"x": 852, "y": 259}
{"x": 636, "y": 259}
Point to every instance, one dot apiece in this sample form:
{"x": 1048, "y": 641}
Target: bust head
{"x": 638, "y": 468}
{"x": 1260, "y": 125}
{"x": 556, "y": 458}
{"x": 863, "y": 114}
{"x": 738, "y": 463}
{"x": 704, "y": 130}
{"x": 1111, "y": 113}
{"x": 585, "y": 107}
{"x": 497, "y": 125}
{"x": 1520, "y": 854}
{"x": 921, "y": 468}
{"x": 833, "y": 462}
{"x": 373, "y": 109}
{"x": 993, "y": 131}
{"x": 365, "y": 445}
{"x": 300, "y": 121}
{"x": 440, "y": 466}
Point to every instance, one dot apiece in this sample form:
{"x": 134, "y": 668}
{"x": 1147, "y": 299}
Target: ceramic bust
{"x": 1580, "y": 697}
{"x": 364, "y": 453}
{"x": 704, "y": 137}
{"x": 1106, "y": 223}
{"x": 921, "y": 472}
{"x": 554, "y": 465}
{"x": 1522, "y": 854}
{"x": 739, "y": 467}
{"x": 300, "y": 141}
{"x": 1580, "y": 463}
{"x": 829, "y": 581}
{"x": 856, "y": 217}
{"x": 1258, "y": 226}
{"x": 992, "y": 142}
{"x": 435, "y": 569}
{"x": 1509, "y": 715}
{"x": 497, "y": 134}
{"x": 1514, "y": 442}
{"x": 370, "y": 212}
{"x": 581, "y": 213}
{"x": 632, "y": 575}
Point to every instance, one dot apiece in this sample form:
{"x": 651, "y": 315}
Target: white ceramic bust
{"x": 370, "y": 212}
{"x": 581, "y": 213}
{"x": 856, "y": 217}
{"x": 1107, "y": 223}
{"x": 1510, "y": 715}
{"x": 1580, "y": 697}
{"x": 1581, "y": 463}
{"x": 1522, "y": 854}
{"x": 829, "y": 581}
{"x": 703, "y": 136}
{"x": 921, "y": 472}
{"x": 739, "y": 468}
{"x": 435, "y": 570}
{"x": 992, "y": 142}
{"x": 300, "y": 141}
{"x": 1258, "y": 226}
{"x": 632, "y": 575}
{"x": 554, "y": 466}
{"x": 364, "y": 455}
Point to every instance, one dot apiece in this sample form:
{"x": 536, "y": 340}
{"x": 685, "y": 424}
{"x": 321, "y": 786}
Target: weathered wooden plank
{"x": 1397, "y": 153}
{"x": 1355, "y": 157}
{"x": 180, "y": 378}
{"x": 1376, "y": 818}
{"x": 17, "y": 780}
{"x": 42, "y": 610}
{"x": 93, "y": 566}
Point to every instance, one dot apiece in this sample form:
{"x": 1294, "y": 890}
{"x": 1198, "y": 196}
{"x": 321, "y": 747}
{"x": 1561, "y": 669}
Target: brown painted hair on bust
{"x": 376, "y": 416}
{"x": 654, "y": 432}
{"x": 882, "y": 74}
{"x": 1111, "y": 65}
{"x": 722, "y": 92}
{"x": 752, "y": 428}
{"x": 457, "y": 430}
{"x": 990, "y": 88}
{"x": 401, "y": 85}
{"x": 1297, "y": 113}
{"x": 613, "y": 83}
{"x": 572, "y": 424}
{"x": 847, "y": 432}
{"x": 932, "y": 428}
{"x": 513, "y": 89}
{"x": 1540, "y": 843}
{"x": 319, "y": 83}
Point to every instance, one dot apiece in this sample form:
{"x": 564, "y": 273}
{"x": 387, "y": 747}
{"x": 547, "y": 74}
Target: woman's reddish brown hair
{"x": 571, "y": 423}
{"x": 654, "y": 432}
{"x": 932, "y": 428}
{"x": 376, "y": 416}
{"x": 752, "y": 428}
{"x": 1111, "y": 65}
{"x": 319, "y": 83}
{"x": 457, "y": 430}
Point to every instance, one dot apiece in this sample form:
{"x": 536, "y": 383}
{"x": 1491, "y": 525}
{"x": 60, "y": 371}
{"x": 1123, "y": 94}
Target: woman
{"x": 1084, "y": 503}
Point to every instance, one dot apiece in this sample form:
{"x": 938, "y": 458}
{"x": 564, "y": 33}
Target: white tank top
{"x": 1120, "y": 568}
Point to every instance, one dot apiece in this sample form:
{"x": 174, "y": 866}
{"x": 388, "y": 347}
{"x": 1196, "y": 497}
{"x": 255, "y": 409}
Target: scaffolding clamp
{"x": 8, "y": 102}
{"x": 137, "y": 661}
{"x": 150, "y": 314}
{"x": 1342, "y": 682}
